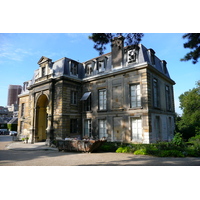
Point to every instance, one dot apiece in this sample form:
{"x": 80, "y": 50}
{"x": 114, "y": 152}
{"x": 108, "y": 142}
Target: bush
{"x": 125, "y": 149}
{"x": 109, "y": 146}
{"x": 140, "y": 152}
{"x": 178, "y": 140}
{"x": 171, "y": 153}
{"x": 195, "y": 140}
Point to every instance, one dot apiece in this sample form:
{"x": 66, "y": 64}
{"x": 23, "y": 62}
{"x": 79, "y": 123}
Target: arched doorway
{"x": 41, "y": 118}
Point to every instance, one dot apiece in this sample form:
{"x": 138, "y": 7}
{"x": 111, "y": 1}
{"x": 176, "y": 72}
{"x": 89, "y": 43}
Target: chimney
{"x": 117, "y": 51}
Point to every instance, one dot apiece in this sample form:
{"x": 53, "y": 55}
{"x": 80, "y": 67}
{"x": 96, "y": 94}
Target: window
{"x": 101, "y": 66}
{"x": 74, "y": 68}
{"x": 136, "y": 125}
{"x": 73, "y": 125}
{"x": 87, "y": 128}
{"x": 87, "y": 104}
{"x": 102, "y": 128}
{"x": 164, "y": 66}
{"x": 135, "y": 96}
{"x": 152, "y": 56}
{"x": 168, "y": 98}
{"x": 74, "y": 97}
{"x": 131, "y": 55}
{"x": 22, "y": 109}
{"x": 102, "y": 99}
{"x": 21, "y": 127}
{"x": 88, "y": 69}
{"x": 152, "y": 59}
{"x": 86, "y": 98}
{"x": 43, "y": 71}
{"x": 155, "y": 93}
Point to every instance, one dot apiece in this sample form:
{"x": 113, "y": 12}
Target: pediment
{"x": 43, "y": 59}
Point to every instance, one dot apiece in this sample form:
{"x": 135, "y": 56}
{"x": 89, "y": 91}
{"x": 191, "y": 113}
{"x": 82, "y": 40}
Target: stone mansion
{"x": 126, "y": 96}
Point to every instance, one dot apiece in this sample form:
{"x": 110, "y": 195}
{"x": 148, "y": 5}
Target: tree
{"x": 193, "y": 43}
{"x": 189, "y": 125}
{"x": 102, "y": 39}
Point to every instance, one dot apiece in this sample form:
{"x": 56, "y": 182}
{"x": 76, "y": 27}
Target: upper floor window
{"x": 74, "y": 68}
{"x": 22, "y": 109}
{"x": 87, "y": 104}
{"x": 74, "y": 97}
{"x": 135, "y": 96}
{"x": 168, "y": 98}
{"x": 156, "y": 100}
{"x": 102, "y": 99}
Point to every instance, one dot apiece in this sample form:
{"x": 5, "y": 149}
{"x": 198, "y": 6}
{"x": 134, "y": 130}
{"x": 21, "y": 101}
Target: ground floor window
{"x": 157, "y": 125}
{"x": 73, "y": 125}
{"x": 21, "y": 127}
{"x": 102, "y": 128}
{"x": 136, "y": 126}
{"x": 87, "y": 128}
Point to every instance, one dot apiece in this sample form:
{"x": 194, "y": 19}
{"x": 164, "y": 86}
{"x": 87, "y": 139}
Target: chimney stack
{"x": 117, "y": 51}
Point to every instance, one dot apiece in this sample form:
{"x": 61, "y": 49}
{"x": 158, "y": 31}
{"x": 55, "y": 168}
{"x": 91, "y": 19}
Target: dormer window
{"x": 101, "y": 66}
{"x": 152, "y": 56}
{"x": 43, "y": 71}
{"x": 131, "y": 55}
{"x": 164, "y": 66}
{"x": 74, "y": 68}
{"x": 88, "y": 69}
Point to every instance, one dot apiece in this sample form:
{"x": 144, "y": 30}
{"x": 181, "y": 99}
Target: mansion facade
{"x": 125, "y": 95}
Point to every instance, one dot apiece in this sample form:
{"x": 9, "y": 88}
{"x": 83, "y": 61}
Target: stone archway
{"x": 41, "y": 118}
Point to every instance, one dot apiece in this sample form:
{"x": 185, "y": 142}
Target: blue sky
{"x": 20, "y": 52}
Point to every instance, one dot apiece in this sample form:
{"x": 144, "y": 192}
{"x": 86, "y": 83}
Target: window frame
{"x": 73, "y": 126}
{"x": 138, "y": 101}
{"x": 168, "y": 98}
{"x": 89, "y": 128}
{"x": 22, "y": 109}
{"x": 74, "y": 68}
{"x": 88, "y": 103}
{"x": 104, "y": 128}
{"x": 156, "y": 96}
{"x": 43, "y": 71}
{"x": 103, "y": 100}
{"x": 74, "y": 97}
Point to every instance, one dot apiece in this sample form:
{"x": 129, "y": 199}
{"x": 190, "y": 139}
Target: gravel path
{"x": 46, "y": 157}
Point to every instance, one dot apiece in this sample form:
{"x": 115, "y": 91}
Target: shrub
{"x": 125, "y": 149}
{"x": 178, "y": 140}
{"x": 140, "y": 152}
{"x": 171, "y": 153}
{"x": 109, "y": 146}
{"x": 195, "y": 140}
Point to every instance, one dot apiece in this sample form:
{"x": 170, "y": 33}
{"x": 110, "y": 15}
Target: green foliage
{"x": 109, "y": 146}
{"x": 178, "y": 140}
{"x": 140, "y": 152}
{"x": 23, "y": 139}
{"x": 12, "y": 127}
{"x": 189, "y": 124}
{"x": 176, "y": 148}
{"x": 102, "y": 39}
{"x": 193, "y": 43}
{"x": 171, "y": 153}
